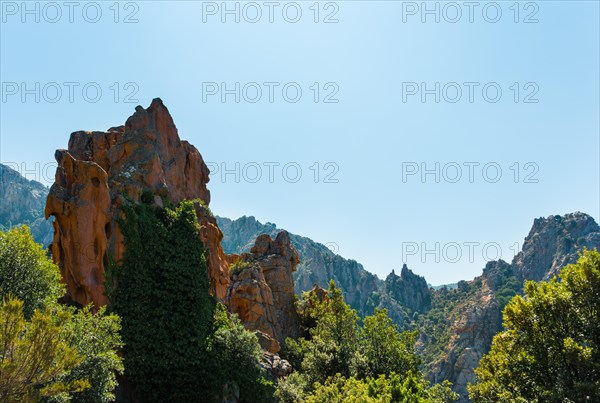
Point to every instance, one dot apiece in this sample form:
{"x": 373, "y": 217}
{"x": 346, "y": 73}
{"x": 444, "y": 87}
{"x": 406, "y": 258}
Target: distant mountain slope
{"x": 22, "y": 201}
{"x": 456, "y": 323}
{"x": 458, "y": 330}
{"x": 319, "y": 264}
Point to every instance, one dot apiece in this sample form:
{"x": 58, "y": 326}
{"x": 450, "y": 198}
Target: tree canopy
{"x": 35, "y": 354}
{"x": 26, "y": 272}
{"x": 339, "y": 360}
{"x": 549, "y": 351}
{"x": 50, "y": 352}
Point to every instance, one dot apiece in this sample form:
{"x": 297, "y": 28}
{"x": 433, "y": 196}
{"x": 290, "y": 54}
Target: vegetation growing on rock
{"x": 180, "y": 345}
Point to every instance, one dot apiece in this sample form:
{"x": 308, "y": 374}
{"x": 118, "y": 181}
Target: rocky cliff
{"x": 99, "y": 172}
{"x": 22, "y": 202}
{"x": 554, "y": 242}
{"x": 145, "y": 160}
{"x": 409, "y": 290}
{"x": 456, "y": 324}
{"x": 319, "y": 264}
{"x": 471, "y": 315}
{"x": 261, "y": 290}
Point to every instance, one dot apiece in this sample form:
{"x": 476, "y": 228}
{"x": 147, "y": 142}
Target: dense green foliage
{"x": 179, "y": 344}
{"x": 234, "y": 354}
{"x": 26, "y": 272}
{"x": 383, "y": 389}
{"x": 332, "y": 343}
{"x": 339, "y": 360}
{"x": 550, "y": 351}
{"x": 51, "y": 352}
{"x": 96, "y": 337}
{"x": 35, "y": 354}
{"x": 384, "y": 350}
{"x": 162, "y": 296}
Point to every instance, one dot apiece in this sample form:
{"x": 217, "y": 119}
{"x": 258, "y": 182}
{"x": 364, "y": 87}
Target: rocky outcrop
{"x": 275, "y": 366}
{"x": 552, "y": 243}
{"x": 99, "y": 172}
{"x": 319, "y": 264}
{"x": 409, "y": 290}
{"x": 261, "y": 290}
{"x": 22, "y": 202}
{"x": 320, "y": 293}
{"x": 471, "y": 336}
{"x": 251, "y": 298}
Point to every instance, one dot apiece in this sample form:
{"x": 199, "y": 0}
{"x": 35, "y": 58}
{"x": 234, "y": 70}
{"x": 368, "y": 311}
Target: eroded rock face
{"x": 251, "y": 298}
{"x": 472, "y": 335}
{"x": 318, "y": 265}
{"x": 262, "y": 292}
{"x": 409, "y": 289}
{"x": 101, "y": 170}
{"x": 553, "y": 242}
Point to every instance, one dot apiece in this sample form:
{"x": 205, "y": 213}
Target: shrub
{"x": 36, "y": 354}
{"x": 237, "y": 266}
{"x": 26, "y": 272}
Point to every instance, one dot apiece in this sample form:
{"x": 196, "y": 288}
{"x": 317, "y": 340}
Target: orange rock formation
{"x": 262, "y": 293}
{"x": 95, "y": 175}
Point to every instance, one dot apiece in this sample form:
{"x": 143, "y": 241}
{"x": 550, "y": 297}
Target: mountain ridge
{"x": 22, "y": 202}
{"x": 456, "y": 322}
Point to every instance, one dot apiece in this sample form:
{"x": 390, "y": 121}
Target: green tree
{"x": 36, "y": 354}
{"x": 549, "y": 351}
{"x": 384, "y": 350}
{"x": 333, "y": 341}
{"x": 236, "y": 353}
{"x": 293, "y": 388}
{"x": 26, "y": 272}
{"x": 97, "y": 339}
{"x": 340, "y": 361}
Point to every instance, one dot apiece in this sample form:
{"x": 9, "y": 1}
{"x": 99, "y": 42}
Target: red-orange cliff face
{"x": 97, "y": 172}
{"x": 262, "y": 292}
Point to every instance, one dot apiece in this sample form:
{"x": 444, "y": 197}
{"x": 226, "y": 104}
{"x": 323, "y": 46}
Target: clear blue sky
{"x": 371, "y": 136}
